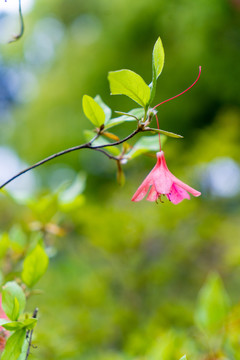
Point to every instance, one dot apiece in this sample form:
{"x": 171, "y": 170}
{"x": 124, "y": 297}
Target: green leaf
{"x": 101, "y": 141}
{"x": 14, "y": 345}
{"x": 34, "y": 266}
{"x": 130, "y": 116}
{"x": 24, "y": 350}
{"x": 16, "y": 309}
{"x": 4, "y": 244}
{"x": 184, "y": 357}
{"x": 11, "y": 326}
{"x": 144, "y": 145}
{"x": 167, "y": 133}
{"x": 158, "y": 57}
{"x": 106, "y": 109}
{"x": 13, "y": 300}
{"x": 127, "y": 82}
{"x": 93, "y": 111}
{"x": 157, "y": 66}
{"x": 29, "y": 324}
{"x": 213, "y": 305}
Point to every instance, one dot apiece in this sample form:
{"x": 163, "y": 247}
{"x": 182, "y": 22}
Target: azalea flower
{"x": 162, "y": 182}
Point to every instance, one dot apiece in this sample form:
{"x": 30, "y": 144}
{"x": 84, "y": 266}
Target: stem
{"x": 74, "y": 148}
{"x": 21, "y": 22}
{"x": 199, "y": 73}
{"x": 30, "y": 334}
{"x": 160, "y": 146}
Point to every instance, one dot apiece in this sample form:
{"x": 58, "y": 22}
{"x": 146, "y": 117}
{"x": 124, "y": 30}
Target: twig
{"x": 16, "y": 37}
{"x": 74, "y": 148}
{"x": 30, "y": 334}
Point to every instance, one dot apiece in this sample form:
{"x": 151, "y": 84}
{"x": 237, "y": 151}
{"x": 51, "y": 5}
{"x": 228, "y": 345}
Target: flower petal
{"x": 186, "y": 187}
{"x": 177, "y": 194}
{"x": 153, "y": 195}
{"x": 143, "y": 189}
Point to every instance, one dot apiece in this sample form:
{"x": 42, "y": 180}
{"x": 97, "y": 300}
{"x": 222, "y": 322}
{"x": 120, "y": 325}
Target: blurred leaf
{"x": 17, "y": 238}
{"x": 120, "y": 175}
{"x": 13, "y": 300}
{"x": 44, "y": 207}
{"x": 163, "y": 348}
{"x": 14, "y": 345}
{"x": 213, "y": 305}
{"x": 145, "y": 144}
{"x": 106, "y": 109}
{"x": 127, "y": 82}
{"x": 4, "y": 244}
{"x": 16, "y": 325}
{"x": 131, "y": 116}
{"x": 24, "y": 350}
{"x": 167, "y": 133}
{"x": 93, "y": 111}
{"x": 101, "y": 141}
{"x": 184, "y": 357}
{"x": 34, "y": 266}
{"x": 110, "y": 136}
{"x": 68, "y": 194}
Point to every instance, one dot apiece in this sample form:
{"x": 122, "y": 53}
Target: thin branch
{"x": 74, "y": 148}
{"x": 16, "y": 37}
{"x": 30, "y": 334}
{"x": 105, "y": 153}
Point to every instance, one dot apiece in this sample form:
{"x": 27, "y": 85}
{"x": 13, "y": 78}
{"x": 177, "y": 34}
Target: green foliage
{"x": 213, "y": 305}
{"x": 34, "y": 266}
{"x": 93, "y": 111}
{"x": 168, "y": 133}
{"x": 14, "y": 345}
{"x": 158, "y": 57}
{"x": 28, "y": 324}
{"x": 133, "y": 115}
{"x": 127, "y": 82}
{"x": 107, "y": 110}
{"x": 144, "y": 145}
{"x": 13, "y": 300}
{"x": 130, "y": 273}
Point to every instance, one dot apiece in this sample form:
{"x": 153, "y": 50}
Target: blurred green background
{"x": 124, "y": 280}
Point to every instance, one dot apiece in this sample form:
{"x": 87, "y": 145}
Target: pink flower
{"x": 3, "y": 333}
{"x": 163, "y": 182}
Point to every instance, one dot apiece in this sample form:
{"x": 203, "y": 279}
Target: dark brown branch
{"x": 30, "y": 334}
{"x": 74, "y": 148}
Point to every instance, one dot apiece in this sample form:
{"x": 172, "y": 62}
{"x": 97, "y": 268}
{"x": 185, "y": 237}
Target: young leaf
{"x": 29, "y": 324}
{"x": 213, "y": 305}
{"x": 157, "y": 66}
{"x": 158, "y": 57}
{"x": 34, "y": 266}
{"x": 93, "y": 111}
{"x": 14, "y": 345}
{"x": 13, "y": 300}
{"x": 106, "y": 109}
{"x": 144, "y": 145}
{"x": 11, "y": 326}
{"x": 167, "y": 133}
{"x": 127, "y": 82}
{"x": 131, "y": 116}
{"x": 184, "y": 357}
